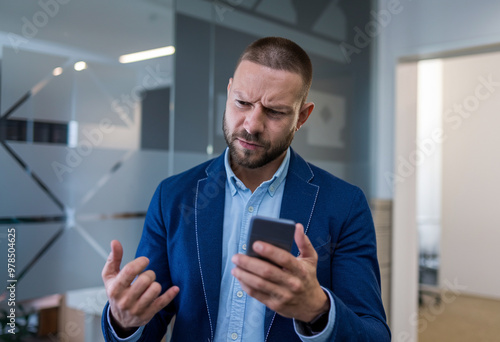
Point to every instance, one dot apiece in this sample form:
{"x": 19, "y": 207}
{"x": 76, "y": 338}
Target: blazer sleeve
{"x": 355, "y": 279}
{"x": 153, "y": 246}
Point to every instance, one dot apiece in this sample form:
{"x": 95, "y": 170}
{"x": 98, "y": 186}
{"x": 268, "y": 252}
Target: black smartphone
{"x": 278, "y": 232}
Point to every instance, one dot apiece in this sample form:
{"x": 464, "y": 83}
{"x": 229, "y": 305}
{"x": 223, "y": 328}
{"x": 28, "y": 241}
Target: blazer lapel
{"x": 297, "y": 186}
{"x": 209, "y": 217}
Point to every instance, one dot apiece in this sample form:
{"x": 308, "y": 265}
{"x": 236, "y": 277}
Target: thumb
{"x": 305, "y": 246}
{"x": 112, "y": 266}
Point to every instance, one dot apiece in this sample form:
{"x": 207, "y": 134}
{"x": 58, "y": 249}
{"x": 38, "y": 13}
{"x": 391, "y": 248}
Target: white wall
{"x": 471, "y": 167}
{"x": 404, "y": 285}
{"x": 414, "y": 28}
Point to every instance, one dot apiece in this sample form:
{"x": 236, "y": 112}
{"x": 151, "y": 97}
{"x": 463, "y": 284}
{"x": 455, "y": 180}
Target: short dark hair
{"x": 280, "y": 54}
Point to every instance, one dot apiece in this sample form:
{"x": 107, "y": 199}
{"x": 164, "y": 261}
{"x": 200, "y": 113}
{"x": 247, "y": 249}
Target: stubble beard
{"x": 254, "y": 159}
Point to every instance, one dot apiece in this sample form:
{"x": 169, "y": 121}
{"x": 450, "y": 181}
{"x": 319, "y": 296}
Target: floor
{"x": 459, "y": 319}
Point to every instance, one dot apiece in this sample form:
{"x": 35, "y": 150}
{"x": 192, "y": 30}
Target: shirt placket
{"x": 237, "y": 317}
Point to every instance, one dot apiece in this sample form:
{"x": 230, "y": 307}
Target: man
{"x": 194, "y": 239}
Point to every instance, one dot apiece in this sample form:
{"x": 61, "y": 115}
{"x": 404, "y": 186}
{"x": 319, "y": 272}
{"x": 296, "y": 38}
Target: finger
{"x": 272, "y": 300}
{"x": 163, "y": 300}
{"x": 259, "y": 288}
{"x": 112, "y": 266}
{"x": 262, "y": 283}
{"x": 148, "y": 296}
{"x": 130, "y": 271}
{"x": 261, "y": 268}
{"x": 262, "y": 297}
{"x": 277, "y": 255}
{"x": 305, "y": 246}
{"x": 141, "y": 285}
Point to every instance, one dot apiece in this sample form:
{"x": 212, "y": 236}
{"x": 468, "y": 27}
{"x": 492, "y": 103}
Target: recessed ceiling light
{"x": 148, "y": 54}
{"x": 79, "y": 66}
{"x": 57, "y": 71}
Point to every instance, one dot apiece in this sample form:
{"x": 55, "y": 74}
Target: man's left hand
{"x": 290, "y": 287}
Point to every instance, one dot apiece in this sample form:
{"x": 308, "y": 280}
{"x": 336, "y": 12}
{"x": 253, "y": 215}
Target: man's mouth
{"x": 248, "y": 145}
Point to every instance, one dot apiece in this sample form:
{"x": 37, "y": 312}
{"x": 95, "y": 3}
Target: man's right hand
{"x": 132, "y": 304}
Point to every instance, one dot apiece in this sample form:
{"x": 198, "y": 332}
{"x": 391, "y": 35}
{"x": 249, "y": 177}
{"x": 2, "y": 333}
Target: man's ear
{"x": 304, "y": 113}
{"x": 229, "y": 85}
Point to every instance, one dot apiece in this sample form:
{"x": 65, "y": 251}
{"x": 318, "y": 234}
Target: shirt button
{"x": 239, "y": 294}
{"x": 244, "y": 247}
{"x": 234, "y": 336}
{"x": 271, "y": 188}
{"x": 250, "y": 209}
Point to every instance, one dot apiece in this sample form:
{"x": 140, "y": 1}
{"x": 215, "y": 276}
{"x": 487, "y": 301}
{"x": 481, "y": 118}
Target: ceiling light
{"x": 148, "y": 54}
{"x": 57, "y": 71}
{"x": 79, "y": 66}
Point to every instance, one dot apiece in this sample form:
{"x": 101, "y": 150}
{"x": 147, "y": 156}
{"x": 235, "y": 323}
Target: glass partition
{"x": 85, "y": 139}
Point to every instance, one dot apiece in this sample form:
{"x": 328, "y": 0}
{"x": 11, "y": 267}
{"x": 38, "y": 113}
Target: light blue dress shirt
{"x": 241, "y": 317}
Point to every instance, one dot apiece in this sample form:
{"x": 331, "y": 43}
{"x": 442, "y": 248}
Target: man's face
{"x": 263, "y": 111}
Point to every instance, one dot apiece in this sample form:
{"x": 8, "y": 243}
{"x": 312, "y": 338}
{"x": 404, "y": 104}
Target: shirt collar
{"x": 272, "y": 185}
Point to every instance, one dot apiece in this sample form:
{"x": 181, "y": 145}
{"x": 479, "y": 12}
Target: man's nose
{"x": 254, "y": 120}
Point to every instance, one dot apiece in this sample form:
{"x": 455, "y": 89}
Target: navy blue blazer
{"x": 182, "y": 237}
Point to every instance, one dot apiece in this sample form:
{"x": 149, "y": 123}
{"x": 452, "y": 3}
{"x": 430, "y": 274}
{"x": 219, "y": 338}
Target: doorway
{"x": 446, "y": 186}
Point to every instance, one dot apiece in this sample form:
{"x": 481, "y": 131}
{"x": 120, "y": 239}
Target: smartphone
{"x": 278, "y": 232}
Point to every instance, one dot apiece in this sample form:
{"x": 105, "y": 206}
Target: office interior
{"x": 407, "y": 100}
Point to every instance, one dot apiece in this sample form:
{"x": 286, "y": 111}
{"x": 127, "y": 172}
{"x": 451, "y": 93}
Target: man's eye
{"x": 242, "y": 103}
{"x": 274, "y": 112}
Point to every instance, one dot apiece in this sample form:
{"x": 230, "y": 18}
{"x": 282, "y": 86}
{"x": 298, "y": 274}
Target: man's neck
{"x": 252, "y": 178}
